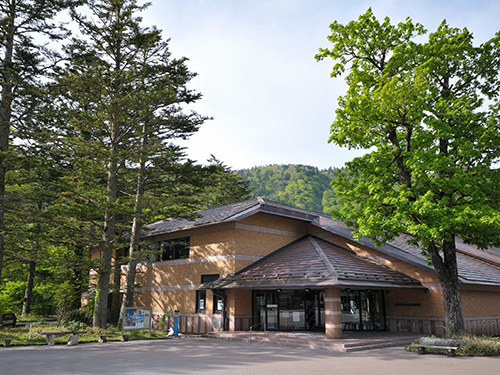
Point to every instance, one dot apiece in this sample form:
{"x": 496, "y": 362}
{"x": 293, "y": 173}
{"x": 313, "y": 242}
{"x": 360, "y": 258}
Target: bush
{"x": 83, "y": 315}
{"x": 43, "y": 302}
{"x": 73, "y": 325}
{"x": 474, "y": 346}
{"x": 480, "y": 346}
{"x": 11, "y": 297}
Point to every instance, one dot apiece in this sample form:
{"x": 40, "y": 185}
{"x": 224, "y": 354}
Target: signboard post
{"x": 138, "y": 318}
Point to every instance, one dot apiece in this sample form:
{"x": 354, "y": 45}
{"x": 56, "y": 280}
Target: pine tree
{"x": 21, "y": 65}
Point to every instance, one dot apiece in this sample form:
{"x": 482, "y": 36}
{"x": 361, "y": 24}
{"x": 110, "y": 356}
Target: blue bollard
{"x": 176, "y": 326}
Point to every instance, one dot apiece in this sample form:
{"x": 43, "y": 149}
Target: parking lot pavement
{"x": 209, "y": 356}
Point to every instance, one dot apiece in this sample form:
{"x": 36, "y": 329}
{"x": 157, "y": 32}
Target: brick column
{"x": 333, "y": 314}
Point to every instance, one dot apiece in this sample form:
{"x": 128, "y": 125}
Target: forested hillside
{"x": 296, "y": 185}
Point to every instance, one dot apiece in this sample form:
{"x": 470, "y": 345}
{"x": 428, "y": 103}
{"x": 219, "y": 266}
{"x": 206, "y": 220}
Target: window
{"x": 175, "y": 249}
{"x": 201, "y": 301}
{"x": 208, "y": 278}
{"x": 201, "y": 295}
{"x": 218, "y": 304}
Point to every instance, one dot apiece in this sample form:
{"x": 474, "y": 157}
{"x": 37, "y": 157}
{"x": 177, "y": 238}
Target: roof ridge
{"x": 329, "y": 266}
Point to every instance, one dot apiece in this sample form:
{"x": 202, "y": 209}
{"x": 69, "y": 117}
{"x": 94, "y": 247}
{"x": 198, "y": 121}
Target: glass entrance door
{"x": 265, "y": 311}
{"x": 289, "y": 310}
{"x": 362, "y": 310}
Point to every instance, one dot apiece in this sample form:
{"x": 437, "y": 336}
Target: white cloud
{"x": 271, "y": 102}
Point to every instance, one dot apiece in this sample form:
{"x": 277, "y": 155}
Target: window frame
{"x": 174, "y": 249}
{"x": 201, "y": 294}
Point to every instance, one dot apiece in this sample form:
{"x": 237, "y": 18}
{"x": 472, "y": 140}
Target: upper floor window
{"x": 174, "y": 249}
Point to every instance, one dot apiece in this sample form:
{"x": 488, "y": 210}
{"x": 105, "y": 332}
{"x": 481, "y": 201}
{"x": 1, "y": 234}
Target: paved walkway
{"x": 211, "y": 356}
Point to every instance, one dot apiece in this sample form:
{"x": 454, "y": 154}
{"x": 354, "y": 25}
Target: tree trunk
{"x": 101, "y": 303}
{"x": 114, "y": 311}
{"x": 28, "y": 294}
{"x": 447, "y": 272}
{"x": 128, "y": 298}
{"x": 5, "y": 118}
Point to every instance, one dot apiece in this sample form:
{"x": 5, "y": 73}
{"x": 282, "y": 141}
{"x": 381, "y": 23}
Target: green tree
{"x": 20, "y": 68}
{"x": 428, "y": 112}
{"x": 45, "y": 236}
{"x": 98, "y": 94}
{"x": 296, "y": 185}
{"x": 163, "y": 85}
{"x": 222, "y": 186}
{"x": 124, "y": 100}
{"x": 40, "y": 240}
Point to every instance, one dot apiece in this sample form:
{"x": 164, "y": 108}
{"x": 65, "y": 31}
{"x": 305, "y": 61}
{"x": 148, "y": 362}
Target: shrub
{"x": 480, "y": 346}
{"x": 474, "y": 346}
{"x": 83, "y": 315}
{"x": 73, "y": 325}
{"x": 11, "y": 297}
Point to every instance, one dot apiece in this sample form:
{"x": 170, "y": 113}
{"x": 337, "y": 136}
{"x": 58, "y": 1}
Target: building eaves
{"x": 474, "y": 265}
{"x": 231, "y": 212}
{"x": 313, "y": 262}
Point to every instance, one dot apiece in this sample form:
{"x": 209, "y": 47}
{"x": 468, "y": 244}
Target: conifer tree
{"x": 21, "y": 65}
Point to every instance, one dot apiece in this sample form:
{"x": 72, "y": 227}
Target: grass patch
{"x": 474, "y": 346}
{"x": 22, "y": 334}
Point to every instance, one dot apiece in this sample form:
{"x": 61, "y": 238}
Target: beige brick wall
{"x": 168, "y": 301}
{"x": 271, "y": 221}
{"x": 212, "y": 244}
{"x": 261, "y": 244}
{"x": 171, "y": 275}
{"x": 257, "y": 236}
{"x": 480, "y": 303}
{"x": 239, "y": 302}
{"x": 415, "y": 303}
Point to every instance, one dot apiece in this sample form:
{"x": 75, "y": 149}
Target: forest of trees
{"x": 88, "y": 124}
{"x": 299, "y": 186}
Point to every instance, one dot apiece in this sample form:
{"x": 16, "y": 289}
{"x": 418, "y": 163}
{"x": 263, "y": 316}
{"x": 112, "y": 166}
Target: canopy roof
{"x": 314, "y": 263}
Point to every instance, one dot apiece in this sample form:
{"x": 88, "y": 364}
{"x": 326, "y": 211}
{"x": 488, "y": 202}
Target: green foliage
{"x": 11, "y": 297}
{"x": 427, "y": 110}
{"x": 222, "y": 186}
{"x": 75, "y": 325}
{"x": 44, "y": 302}
{"x": 162, "y": 323}
{"x": 296, "y": 185}
{"x": 480, "y": 346}
{"x": 474, "y": 346}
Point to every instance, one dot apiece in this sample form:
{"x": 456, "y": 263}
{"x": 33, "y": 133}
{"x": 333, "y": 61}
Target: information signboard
{"x": 137, "y": 318}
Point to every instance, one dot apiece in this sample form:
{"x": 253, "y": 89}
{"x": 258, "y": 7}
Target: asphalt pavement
{"x": 212, "y": 356}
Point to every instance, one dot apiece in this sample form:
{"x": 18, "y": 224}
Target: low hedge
{"x": 474, "y": 346}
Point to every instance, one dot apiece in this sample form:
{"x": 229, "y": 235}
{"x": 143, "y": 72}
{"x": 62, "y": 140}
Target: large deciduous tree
{"x": 426, "y": 107}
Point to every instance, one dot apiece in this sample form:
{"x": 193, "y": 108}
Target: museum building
{"x": 262, "y": 265}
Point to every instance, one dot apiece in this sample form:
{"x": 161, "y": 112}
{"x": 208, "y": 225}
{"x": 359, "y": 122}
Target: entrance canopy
{"x": 311, "y": 262}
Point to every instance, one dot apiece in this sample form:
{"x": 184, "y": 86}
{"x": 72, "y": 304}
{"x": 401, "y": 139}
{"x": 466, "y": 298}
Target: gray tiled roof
{"x": 312, "y": 262}
{"x": 471, "y": 268}
{"x": 230, "y": 212}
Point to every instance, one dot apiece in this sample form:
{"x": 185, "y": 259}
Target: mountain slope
{"x": 296, "y": 185}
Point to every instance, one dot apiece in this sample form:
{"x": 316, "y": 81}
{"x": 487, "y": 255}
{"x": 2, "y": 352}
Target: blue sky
{"x": 272, "y": 103}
